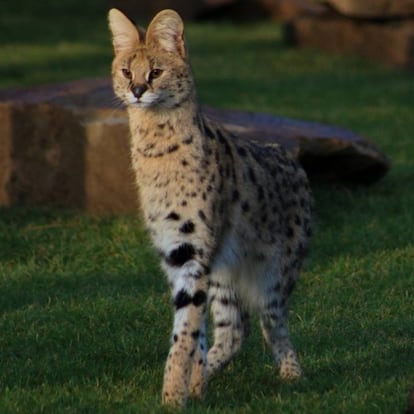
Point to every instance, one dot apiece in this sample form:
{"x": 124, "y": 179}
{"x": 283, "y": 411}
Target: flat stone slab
{"x": 390, "y": 43}
{"x": 328, "y": 153}
{"x": 68, "y": 145}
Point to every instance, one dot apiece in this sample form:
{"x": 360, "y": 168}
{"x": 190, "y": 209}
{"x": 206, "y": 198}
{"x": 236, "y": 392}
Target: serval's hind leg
{"x": 273, "y": 323}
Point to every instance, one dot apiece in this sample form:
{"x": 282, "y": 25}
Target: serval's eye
{"x": 154, "y": 74}
{"x": 127, "y": 73}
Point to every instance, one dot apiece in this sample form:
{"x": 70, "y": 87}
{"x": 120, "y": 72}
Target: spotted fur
{"x": 230, "y": 218}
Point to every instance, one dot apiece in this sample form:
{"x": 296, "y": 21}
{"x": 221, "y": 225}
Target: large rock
{"x": 64, "y": 145}
{"x": 390, "y": 44}
{"x": 67, "y": 145}
{"x": 374, "y": 8}
{"x": 42, "y": 159}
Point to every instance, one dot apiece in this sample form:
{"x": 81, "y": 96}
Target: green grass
{"x": 84, "y": 307}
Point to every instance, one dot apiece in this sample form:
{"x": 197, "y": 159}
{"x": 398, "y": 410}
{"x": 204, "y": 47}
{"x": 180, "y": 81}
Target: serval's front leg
{"x": 198, "y": 380}
{"x": 189, "y": 289}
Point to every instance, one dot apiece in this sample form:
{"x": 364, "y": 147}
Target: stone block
{"x": 374, "y": 9}
{"x": 64, "y": 145}
{"x": 45, "y": 163}
{"x": 390, "y": 43}
{"x": 109, "y": 179}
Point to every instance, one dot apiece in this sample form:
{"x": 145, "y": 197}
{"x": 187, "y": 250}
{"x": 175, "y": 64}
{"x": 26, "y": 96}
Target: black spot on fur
{"x": 224, "y": 142}
{"x": 172, "y": 148}
{"x": 209, "y": 132}
{"x": 181, "y": 255}
{"x": 175, "y": 338}
{"x": 241, "y": 151}
{"x": 195, "y": 334}
{"x": 223, "y": 324}
{"x": 199, "y": 298}
{"x": 224, "y": 301}
{"x": 173, "y": 216}
{"x": 252, "y": 175}
{"x": 182, "y": 299}
{"x": 274, "y": 304}
{"x": 202, "y": 215}
{"x": 289, "y": 232}
{"x": 260, "y": 193}
{"x": 245, "y": 206}
{"x": 187, "y": 227}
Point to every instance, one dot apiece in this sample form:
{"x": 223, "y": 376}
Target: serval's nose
{"x": 139, "y": 90}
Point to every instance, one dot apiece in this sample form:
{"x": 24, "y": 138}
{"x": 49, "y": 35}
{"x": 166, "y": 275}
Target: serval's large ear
{"x": 125, "y": 36}
{"x": 166, "y": 32}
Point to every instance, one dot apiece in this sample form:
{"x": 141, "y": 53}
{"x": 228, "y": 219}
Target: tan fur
{"x": 230, "y": 219}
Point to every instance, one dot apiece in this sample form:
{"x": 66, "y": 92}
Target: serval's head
{"x": 150, "y": 69}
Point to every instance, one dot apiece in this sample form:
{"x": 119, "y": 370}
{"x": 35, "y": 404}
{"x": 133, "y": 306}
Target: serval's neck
{"x": 163, "y": 142}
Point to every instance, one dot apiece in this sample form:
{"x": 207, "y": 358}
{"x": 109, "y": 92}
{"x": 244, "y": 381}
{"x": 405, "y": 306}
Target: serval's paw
{"x": 290, "y": 367}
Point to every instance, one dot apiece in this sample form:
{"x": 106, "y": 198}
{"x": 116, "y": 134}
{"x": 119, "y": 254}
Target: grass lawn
{"x": 84, "y": 310}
